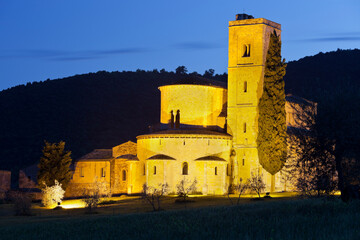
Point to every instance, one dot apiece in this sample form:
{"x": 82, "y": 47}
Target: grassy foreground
{"x": 280, "y": 219}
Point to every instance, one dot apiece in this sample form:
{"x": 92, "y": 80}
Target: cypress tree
{"x": 54, "y": 165}
{"x": 271, "y": 138}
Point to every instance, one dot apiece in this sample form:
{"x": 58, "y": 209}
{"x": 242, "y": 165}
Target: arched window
{"x": 245, "y": 127}
{"x": 245, "y": 86}
{"x": 185, "y": 168}
{"x": 144, "y": 169}
{"x": 216, "y": 171}
{"x": 123, "y": 175}
{"x": 246, "y": 50}
{"x": 154, "y": 170}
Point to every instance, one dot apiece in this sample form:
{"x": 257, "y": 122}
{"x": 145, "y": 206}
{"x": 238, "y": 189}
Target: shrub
{"x": 22, "y": 203}
{"x": 52, "y": 195}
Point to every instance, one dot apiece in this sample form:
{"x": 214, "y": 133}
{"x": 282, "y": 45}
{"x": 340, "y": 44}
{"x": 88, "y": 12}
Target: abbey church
{"x": 208, "y": 128}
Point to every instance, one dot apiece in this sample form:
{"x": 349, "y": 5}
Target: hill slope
{"x": 101, "y": 110}
{"x": 310, "y": 77}
{"x": 95, "y": 110}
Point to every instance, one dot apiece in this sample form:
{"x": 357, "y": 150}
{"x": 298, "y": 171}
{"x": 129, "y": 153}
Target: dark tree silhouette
{"x": 181, "y": 70}
{"x": 209, "y": 73}
{"x": 54, "y": 165}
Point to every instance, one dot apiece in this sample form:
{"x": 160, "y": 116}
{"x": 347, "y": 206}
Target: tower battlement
{"x": 253, "y": 21}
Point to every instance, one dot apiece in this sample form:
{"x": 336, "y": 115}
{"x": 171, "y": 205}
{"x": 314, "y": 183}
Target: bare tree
{"x": 256, "y": 183}
{"x": 311, "y": 162}
{"x": 185, "y": 187}
{"x": 239, "y": 189}
{"x": 230, "y": 189}
{"x": 153, "y": 195}
{"x": 94, "y": 193}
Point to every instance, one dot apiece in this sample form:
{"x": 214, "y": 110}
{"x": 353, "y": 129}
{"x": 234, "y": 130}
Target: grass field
{"x": 205, "y": 218}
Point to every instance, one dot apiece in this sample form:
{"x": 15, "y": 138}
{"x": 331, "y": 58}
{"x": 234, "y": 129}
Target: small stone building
{"x": 113, "y": 167}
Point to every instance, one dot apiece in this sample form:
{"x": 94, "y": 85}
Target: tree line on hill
{"x": 104, "y": 109}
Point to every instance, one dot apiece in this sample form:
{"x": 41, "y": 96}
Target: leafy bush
{"x": 52, "y": 195}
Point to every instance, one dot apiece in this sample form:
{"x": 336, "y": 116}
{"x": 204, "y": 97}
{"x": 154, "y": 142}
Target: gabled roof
{"x": 98, "y": 154}
{"x": 211, "y": 158}
{"x": 124, "y": 148}
{"x": 160, "y": 157}
{"x": 128, "y": 157}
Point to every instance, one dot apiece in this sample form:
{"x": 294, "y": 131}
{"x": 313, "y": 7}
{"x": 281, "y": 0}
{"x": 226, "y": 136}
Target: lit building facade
{"x": 209, "y": 129}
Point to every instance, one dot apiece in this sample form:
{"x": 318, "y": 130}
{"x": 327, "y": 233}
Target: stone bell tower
{"x": 248, "y": 44}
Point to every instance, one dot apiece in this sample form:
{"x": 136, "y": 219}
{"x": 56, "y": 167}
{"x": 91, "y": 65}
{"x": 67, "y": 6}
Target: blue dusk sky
{"x": 43, "y": 39}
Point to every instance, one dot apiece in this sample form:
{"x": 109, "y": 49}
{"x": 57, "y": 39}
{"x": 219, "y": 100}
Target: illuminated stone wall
{"x": 168, "y": 152}
{"x": 109, "y": 166}
{"x": 199, "y": 105}
{"x": 123, "y": 167}
{"x": 86, "y": 173}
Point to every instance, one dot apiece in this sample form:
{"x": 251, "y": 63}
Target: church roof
{"x": 196, "y": 80}
{"x": 210, "y": 158}
{"x": 97, "y": 154}
{"x": 161, "y": 157}
{"x": 129, "y": 157}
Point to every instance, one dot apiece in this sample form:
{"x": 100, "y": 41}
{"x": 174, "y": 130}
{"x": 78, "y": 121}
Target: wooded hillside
{"x": 103, "y": 109}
